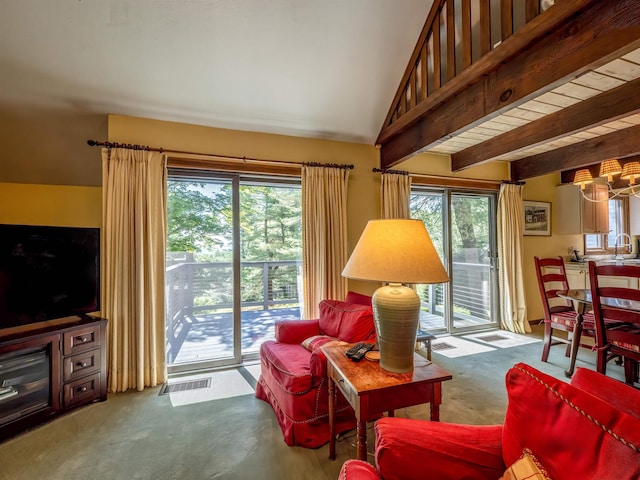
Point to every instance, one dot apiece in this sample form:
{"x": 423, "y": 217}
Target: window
{"x": 618, "y": 224}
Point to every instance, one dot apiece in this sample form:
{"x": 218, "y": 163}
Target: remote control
{"x": 350, "y": 352}
{"x": 361, "y": 351}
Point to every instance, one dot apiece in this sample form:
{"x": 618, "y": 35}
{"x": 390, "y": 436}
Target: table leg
{"x": 435, "y": 402}
{"x": 332, "y": 424}
{"x": 575, "y": 339}
{"x": 362, "y": 439}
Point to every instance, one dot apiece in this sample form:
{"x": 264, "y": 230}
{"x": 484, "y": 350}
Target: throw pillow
{"x": 526, "y": 467}
{"x": 315, "y": 342}
{"x": 347, "y": 321}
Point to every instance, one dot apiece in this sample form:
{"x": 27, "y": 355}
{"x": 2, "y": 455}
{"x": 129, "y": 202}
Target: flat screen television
{"x": 47, "y": 273}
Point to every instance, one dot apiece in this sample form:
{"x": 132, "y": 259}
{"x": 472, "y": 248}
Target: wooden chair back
{"x": 552, "y": 278}
{"x": 613, "y": 301}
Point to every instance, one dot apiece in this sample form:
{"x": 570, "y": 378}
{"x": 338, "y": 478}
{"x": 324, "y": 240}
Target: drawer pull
{"x": 81, "y": 364}
{"x": 81, "y": 389}
{"x": 83, "y": 339}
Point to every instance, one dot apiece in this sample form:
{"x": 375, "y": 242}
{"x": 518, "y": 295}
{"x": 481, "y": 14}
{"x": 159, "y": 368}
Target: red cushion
{"x": 608, "y": 389}
{"x": 288, "y": 364}
{"x": 573, "y": 433}
{"x": 359, "y": 298}
{"x": 347, "y": 321}
{"x": 414, "y": 449}
{"x": 357, "y": 470}
{"x": 295, "y": 331}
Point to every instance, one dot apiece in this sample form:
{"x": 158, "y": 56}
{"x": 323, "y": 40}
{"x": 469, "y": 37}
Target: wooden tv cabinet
{"x": 50, "y": 368}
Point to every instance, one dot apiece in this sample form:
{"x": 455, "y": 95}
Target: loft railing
{"x": 457, "y": 34}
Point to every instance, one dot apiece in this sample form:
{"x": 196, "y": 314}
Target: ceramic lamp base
{"x": 396, "y": 311}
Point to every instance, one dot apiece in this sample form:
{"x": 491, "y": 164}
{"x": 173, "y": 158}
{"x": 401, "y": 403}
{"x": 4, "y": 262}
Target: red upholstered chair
{"x": 559, "y": 313}
{"x": 587, "y": 430}
{"x": 293, "y": 375}
{"x": 621, "y": 339}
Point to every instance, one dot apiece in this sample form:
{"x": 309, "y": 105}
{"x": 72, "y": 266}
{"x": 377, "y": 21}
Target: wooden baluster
{"x": 435, "y": 32}
{"x": 466, "y": 33}
{"x": 423, "y": 67}
{"x": 485, "y": 27}
{"x": 451, "y": 41}
{"x": 412, "y": 91}
{"x": 532, "y": 9}
{"x": 506, "y": 17}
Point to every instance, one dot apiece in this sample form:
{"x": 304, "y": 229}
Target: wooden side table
{"x": 371, "y": 390}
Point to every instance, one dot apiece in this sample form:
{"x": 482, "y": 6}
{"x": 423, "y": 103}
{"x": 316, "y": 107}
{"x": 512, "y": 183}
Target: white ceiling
{"x": 313, "y": 68}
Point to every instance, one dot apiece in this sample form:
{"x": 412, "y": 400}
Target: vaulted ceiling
{"x": 559, "y": 93}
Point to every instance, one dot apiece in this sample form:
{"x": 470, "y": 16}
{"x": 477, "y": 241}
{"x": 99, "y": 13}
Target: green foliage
{"x": 199, "y": 224}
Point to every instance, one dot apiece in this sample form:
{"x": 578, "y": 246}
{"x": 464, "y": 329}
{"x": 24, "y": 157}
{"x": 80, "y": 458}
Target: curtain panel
{"x": 133, "y": 266}
{"x": 513, "y": 308}
{"x": 324, "y": 235}
{"x": 395, "y": 193}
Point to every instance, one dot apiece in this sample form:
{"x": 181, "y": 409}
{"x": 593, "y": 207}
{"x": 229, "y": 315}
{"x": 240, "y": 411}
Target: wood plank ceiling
{"x": 566, "y": 98}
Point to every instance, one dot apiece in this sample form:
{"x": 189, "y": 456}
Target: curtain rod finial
{"x": 91, "y": 143}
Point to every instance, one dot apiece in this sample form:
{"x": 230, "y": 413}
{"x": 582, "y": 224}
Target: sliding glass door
{"x": 462, "y": 227}
{"x": 233, "y": 266}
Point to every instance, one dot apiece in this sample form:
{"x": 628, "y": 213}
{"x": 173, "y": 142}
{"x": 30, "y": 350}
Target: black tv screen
{"x": 48, "y": 273}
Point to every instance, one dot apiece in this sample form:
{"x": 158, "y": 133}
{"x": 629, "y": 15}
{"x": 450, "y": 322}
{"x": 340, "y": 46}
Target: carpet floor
{"x": 223, "y": 432}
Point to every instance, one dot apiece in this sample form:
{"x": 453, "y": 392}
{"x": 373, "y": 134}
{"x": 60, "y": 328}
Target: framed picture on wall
{"x": 537, "y": 218}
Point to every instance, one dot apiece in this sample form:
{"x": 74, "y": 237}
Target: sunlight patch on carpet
{"x": 254, "y": 370}
{"x": 457, "y": 347}
{"x": 502, "y": 338}
{"x": 224, "y": 384}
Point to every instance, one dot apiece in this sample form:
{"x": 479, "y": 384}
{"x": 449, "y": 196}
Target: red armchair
{"x": 293, "y": 375}
{"x": 589, "y": 429}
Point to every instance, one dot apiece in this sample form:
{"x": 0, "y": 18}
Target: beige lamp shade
{"x": 582, "y": 178}
{"x": 395, "y": 251}
{"x": 608, "y": 168}
{"x": 630, "y": 171}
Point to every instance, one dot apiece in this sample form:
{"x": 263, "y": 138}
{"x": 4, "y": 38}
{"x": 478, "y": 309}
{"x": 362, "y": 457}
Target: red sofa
{"x": 293, "y": 375}
{"x": 589, "y": 429}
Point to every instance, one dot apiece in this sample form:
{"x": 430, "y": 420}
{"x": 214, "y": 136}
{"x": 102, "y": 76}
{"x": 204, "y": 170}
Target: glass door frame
{"x": 236, "y": 180}
{"x": 446, "y": 195}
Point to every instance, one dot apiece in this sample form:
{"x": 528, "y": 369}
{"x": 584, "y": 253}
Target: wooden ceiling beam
{"x": 586, "y": 41}
{"x": 611, "y": 105}
{"x": 620, "y": 144}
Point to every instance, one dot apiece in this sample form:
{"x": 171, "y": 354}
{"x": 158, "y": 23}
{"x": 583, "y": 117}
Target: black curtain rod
{"x": 94, "y": 143}
{"x": 397, "y": 172}
{"x": 328, "y": 165}
{"x": 513, "y": 182}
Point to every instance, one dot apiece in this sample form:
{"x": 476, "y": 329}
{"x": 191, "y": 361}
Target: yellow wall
{"x": 542, "y": 189}
{"x": 31, "y": 204}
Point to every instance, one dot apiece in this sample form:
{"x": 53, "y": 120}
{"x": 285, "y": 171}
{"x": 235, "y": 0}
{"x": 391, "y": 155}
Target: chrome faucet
{"x": 615, "y": 245}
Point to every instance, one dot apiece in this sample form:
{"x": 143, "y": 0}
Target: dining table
{"x": 583, "y": 297}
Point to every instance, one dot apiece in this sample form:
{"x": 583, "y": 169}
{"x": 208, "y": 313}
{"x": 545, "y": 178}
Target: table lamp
{"x": 396, "y": 252}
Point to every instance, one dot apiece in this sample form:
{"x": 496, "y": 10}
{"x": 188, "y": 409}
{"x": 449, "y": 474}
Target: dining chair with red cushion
{"x": 559, "y": 313}
{"x": 613, "y": 301}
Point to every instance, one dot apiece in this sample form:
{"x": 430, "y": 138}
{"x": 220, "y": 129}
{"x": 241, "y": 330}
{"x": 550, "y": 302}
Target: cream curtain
{"x": 395, "y": 192}
{"x": 513, "y": 308}
{"x": 324, "y": 235}
{"x": 134, "y": 234}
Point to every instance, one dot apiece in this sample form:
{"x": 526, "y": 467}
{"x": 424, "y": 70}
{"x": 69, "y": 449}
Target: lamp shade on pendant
{"x": 396, "y": 251}
{"x": 630, "y": 171}
{"x": 608, "y": 168}
{"x": 582, "y": 178}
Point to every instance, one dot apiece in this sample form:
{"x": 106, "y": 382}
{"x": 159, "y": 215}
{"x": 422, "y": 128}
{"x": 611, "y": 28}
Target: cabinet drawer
{"x": 82, "y": 391}
{"x": 81, "y": 339}
{"x": 81, "y": 364}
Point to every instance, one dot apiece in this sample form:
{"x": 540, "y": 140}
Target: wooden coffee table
{"x": 370, "y": 390}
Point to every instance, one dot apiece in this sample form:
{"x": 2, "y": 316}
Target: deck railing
{"x": 197, "y": 287}
{"x": 200, "y": 287}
